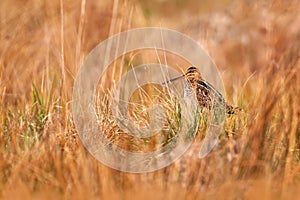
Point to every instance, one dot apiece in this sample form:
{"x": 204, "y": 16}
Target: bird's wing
{"x": 215, "y": 93}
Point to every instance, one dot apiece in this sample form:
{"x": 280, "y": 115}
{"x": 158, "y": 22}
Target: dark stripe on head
{"x": 192, "y": 69}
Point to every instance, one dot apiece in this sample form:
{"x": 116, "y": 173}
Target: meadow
{"x": 256, "y": 46}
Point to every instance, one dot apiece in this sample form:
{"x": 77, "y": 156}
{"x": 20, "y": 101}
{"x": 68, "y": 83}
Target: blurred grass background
{"x": 255, "y": 45}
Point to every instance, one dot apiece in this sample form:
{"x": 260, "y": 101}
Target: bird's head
{"x": 193, "y": 75}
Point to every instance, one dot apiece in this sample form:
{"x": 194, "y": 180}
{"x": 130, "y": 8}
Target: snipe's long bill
{"x": 173, "y": 79}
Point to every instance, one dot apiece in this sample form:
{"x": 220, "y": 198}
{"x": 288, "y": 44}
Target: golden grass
{"x": 255, "y": 45}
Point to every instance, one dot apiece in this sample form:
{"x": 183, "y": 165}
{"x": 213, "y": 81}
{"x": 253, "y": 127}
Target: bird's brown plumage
{"x": 206, "y": 94}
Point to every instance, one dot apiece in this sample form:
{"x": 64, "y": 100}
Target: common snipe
{"x": 206, "y": 94}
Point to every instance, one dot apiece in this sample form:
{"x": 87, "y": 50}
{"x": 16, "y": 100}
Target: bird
{"x": 207, "y": 96}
